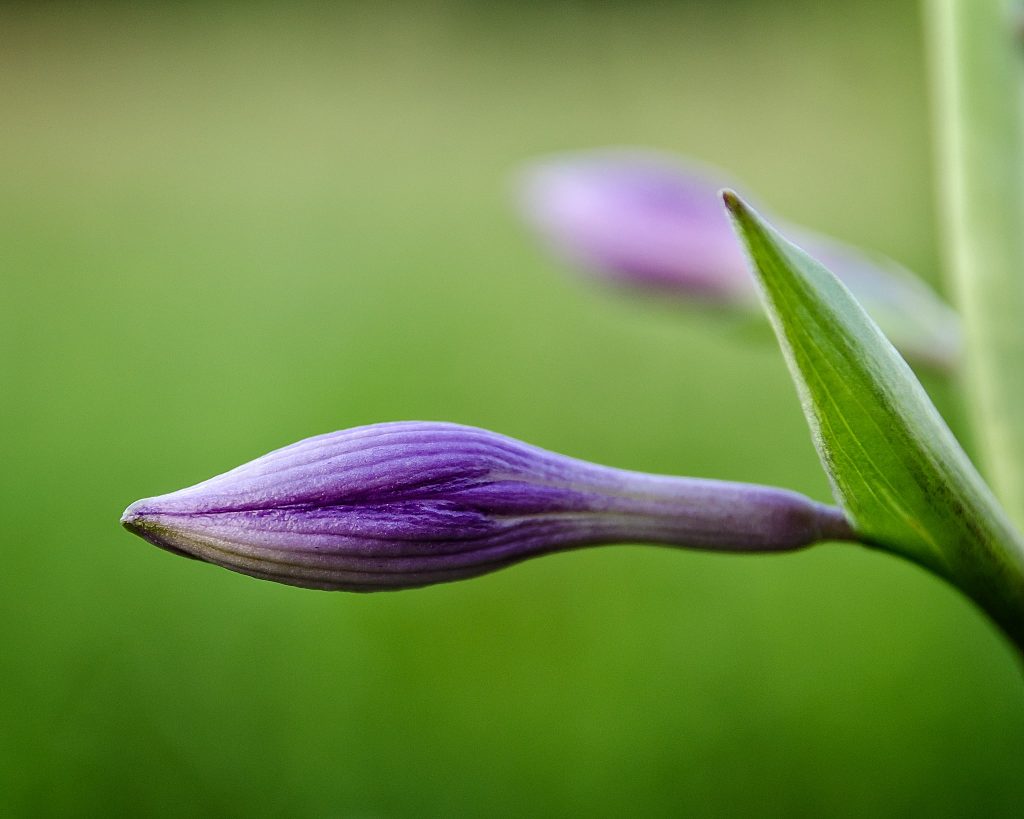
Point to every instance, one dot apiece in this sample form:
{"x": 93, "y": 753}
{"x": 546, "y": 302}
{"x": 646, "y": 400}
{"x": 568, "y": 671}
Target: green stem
{"x": 978, "y": 68}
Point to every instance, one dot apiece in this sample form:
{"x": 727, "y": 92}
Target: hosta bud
{"x": 406, "y": 504}
{"x": 645, "y": 220}
{"x": 638, "y": 219}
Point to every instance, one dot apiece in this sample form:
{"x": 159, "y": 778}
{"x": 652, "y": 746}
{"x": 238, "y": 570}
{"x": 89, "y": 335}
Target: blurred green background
{"x": 227, "y": 227}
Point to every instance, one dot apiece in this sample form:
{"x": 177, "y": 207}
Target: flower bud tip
{"x": 131, "y": 520}
{"x": 138, "y": 523}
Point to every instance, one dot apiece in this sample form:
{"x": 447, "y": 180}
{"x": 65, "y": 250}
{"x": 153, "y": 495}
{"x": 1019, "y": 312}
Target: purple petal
{"x": 408, "y": 504}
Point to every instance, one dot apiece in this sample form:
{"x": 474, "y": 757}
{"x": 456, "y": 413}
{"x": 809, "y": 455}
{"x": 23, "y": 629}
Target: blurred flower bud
{"x": 645, "y": 220}
{"x": 407, "y": 504}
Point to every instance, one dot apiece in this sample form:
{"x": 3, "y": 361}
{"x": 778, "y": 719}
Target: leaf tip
{"x": 732, "y": 200}
{"x": 745, "y": 219}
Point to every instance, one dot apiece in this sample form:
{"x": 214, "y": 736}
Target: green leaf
{"x": 896, "y": 469}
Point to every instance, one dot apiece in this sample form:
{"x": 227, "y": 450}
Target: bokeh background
{"x": 227, "y": 227}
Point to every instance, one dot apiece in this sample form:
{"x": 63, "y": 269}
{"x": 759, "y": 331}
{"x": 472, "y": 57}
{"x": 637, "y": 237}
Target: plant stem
{"x": 977, "y": 55}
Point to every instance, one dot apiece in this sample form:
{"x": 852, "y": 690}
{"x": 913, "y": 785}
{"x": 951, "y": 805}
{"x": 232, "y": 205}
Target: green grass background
{"x": 227, "y": 227}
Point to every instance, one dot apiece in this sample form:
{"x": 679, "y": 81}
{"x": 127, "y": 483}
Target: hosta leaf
{"x": 895, "y": 467}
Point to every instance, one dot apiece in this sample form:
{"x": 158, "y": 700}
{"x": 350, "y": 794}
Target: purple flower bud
{"x": 648, "y": 221}
{"x": 406, "y": 504}
{"x": 640, "y": 219}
